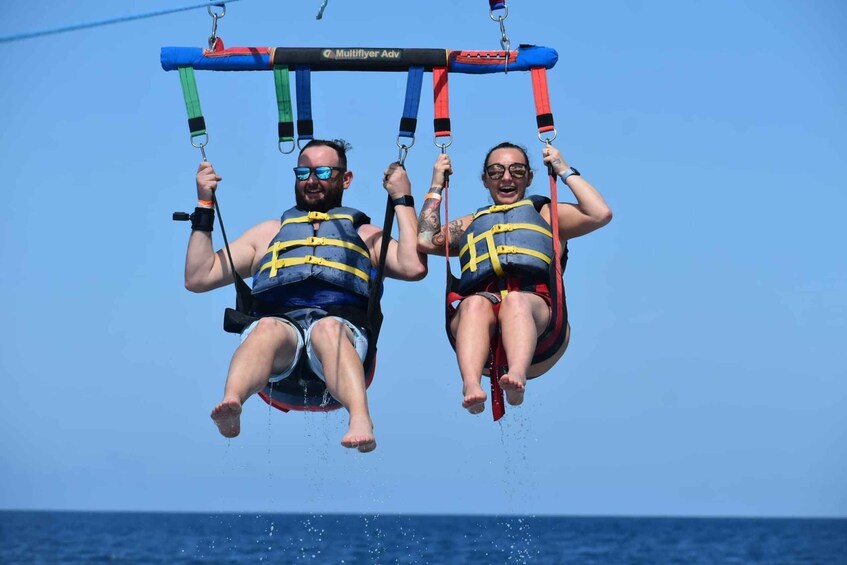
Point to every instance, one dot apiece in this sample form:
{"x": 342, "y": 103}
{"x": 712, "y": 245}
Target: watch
{"x": 571, "y": 171}
{"x": 405, "y": 200}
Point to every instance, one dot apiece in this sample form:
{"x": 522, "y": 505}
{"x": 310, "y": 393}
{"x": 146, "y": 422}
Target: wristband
{"x": 406, "y": 200}
{"x": 568, "y": 172}
{"x": 203, "y": 219}
{"x": 206, "y": 203}
{"x": 433, "y": 195}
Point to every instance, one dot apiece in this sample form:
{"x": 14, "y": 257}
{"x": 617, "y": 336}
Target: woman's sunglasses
{"x": 496, "y": 171}
{"x": 322, "y": 173}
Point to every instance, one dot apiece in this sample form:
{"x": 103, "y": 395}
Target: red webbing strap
{"x": 495, "y": 371}
{"x": 543, "y": 114}
{"x": 544, "y": 118}
{"x": 440, "y": 95}
{"x": 557, "y": 291}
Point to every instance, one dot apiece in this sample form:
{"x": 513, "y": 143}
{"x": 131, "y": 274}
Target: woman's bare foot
{"x": 360, "y": 435}
{"x": 227, "y": 416}
{"x": 515, "y": 387}
{"x": 474, "y": 401}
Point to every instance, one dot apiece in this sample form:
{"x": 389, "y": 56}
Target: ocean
{"x": 29, "y": 537}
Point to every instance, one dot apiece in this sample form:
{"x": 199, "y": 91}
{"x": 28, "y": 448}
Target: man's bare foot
{"x": 474, "y": 401}
{"x": 360, "y": 435}
{"x": 514, "y": 387}
{"x": 227, "y": 416}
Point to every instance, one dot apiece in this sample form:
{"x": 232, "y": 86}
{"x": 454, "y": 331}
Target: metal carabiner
{"x": 213, "y": 39}
{"x": 281, "y": 150}
{"x": 404, "y": 149}
{"x": 201, "y": 146}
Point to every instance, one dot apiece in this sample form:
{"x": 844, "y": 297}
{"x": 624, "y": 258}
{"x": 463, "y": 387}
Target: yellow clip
{"x": 312, "y": 260}
{"x": 506, "y": 249}
{"x": 318, "y": 216}
{"x": 314, "y": 241}
{"x": 501, "y": 228}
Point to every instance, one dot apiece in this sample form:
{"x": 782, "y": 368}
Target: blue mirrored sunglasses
{"x": 322, "y": 173}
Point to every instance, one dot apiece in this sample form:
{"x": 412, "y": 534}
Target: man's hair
{"x": 340, "y": 146}
{"x": 506, "y": 145}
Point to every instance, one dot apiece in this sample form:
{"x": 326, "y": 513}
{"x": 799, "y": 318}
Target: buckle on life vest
{"x": 318, "y": 216}
{"x": 506, "y": 249}
{"x": 315, "y": 241}
{"x": 312, "y": 260}
{"x": 501, "y": 228}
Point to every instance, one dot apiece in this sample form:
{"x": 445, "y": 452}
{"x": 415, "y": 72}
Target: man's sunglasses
{"x": 322, "y": 173}
{"x": 496, "y": 171}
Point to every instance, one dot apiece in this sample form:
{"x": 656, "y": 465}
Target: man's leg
{"x": 523, "y": 317}
{"x": 332, "y": 342}
{"x": 473, "y": 327}
{"x": 268, "y": 349}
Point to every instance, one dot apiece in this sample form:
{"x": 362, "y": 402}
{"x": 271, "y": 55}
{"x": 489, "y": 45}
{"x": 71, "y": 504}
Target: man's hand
{"x": 396, "y": 181}
{"x": 207, "y": 181}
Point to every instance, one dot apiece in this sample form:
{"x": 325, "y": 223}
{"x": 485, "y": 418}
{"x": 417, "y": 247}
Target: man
{"x": 297, "y": 296}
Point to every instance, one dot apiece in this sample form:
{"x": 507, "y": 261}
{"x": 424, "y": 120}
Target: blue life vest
{"x": 506, "y": 240}
{"x": 333, "y": 253}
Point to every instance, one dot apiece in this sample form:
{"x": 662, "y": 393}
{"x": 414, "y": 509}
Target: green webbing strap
{"x": 283, "y": 102}
{"x": 196, "y": 123}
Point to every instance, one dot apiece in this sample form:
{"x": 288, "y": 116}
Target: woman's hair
{"x": 339, "y": 145}
{"x": 506, "y": 145}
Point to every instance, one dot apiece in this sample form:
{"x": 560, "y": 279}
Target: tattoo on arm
{"x": 455, "y": 231}
{"x": 429, "y": 221}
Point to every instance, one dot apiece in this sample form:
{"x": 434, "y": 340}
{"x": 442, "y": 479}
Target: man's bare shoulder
{"x": 259, "y": 235}
{"x": 267, "y": 226}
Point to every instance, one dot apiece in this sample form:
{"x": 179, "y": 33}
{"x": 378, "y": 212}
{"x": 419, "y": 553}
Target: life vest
{"x": 333, "y": 253}
{"x": 506, "y": 239}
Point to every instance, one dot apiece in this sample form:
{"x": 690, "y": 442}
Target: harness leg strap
{"x": 498, "y": 362}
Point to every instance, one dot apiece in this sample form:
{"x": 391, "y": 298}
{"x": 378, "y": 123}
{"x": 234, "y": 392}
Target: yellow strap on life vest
{"x": 277, "y": 264}
{"x": 316, "y": 217}
{"x": 503, "y": 250}
{"x": 503, "y": 228}
{"x": 488, "y": 235}
{"x": 502, "y": 208}
{"x": 315, "y": 241}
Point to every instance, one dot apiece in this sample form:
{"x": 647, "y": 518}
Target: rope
{"x": 77, "y": 27}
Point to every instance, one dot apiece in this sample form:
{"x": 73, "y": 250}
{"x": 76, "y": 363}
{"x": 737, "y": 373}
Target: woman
{"x": 505, "y": 272}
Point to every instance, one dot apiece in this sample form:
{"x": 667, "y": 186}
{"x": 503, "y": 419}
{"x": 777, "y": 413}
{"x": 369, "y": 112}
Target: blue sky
{"x": 705, "y": 375}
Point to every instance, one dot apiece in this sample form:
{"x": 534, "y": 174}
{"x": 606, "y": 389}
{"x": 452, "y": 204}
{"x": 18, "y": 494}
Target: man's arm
{"x": 204, "y": 268}
{"x": 403, "y": 261}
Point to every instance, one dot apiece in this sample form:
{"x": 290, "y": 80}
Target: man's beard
{"x": 331, "y": 199}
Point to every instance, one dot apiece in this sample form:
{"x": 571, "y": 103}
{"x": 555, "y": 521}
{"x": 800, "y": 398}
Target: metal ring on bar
{"x": 547, "y": 140}
{"x": 205, "y": 141}
{"x": 443, "y": 146}
{"x": 213, "y": 14}
{"x": 279, "y": 146}
{"x": 499, "y": 18}
{"x": 299, "y": 139}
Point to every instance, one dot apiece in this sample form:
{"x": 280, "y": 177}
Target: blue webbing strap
{"x": 305, "y": 126}
{"x": 409, "y": 121}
